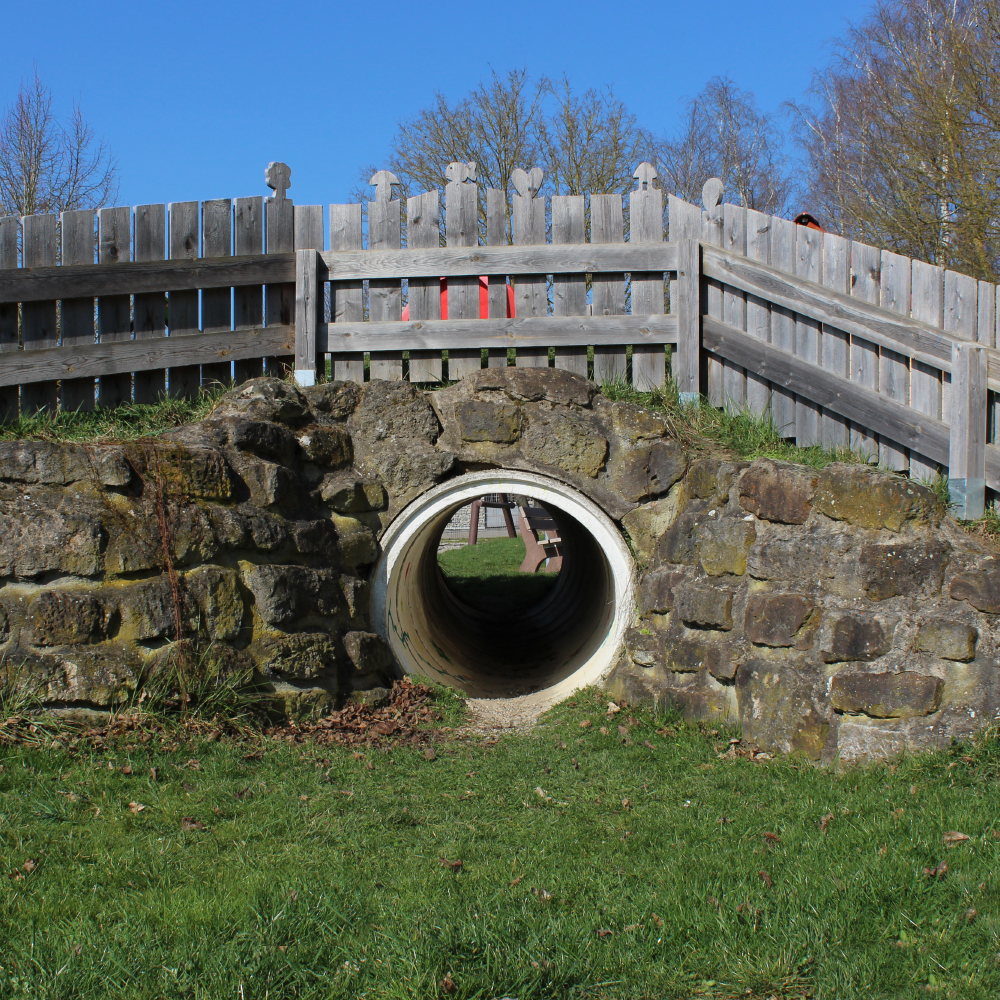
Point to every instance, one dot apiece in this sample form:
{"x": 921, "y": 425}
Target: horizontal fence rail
{"x": 841, "y": 345}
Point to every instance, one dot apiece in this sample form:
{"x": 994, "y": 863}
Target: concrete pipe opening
{"x": 539, "y": 655}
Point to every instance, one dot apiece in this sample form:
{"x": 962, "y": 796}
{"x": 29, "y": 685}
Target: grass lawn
{"x": 486, "y": 575}
{"x": 599, "y": 856}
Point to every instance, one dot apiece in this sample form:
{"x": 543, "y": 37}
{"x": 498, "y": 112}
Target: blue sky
{"x": 196, "y": 98}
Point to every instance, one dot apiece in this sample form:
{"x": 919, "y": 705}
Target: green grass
{"x": 594, "y": 864}
{"x": 120, "y": 423}
{"x": 486, "y": 576}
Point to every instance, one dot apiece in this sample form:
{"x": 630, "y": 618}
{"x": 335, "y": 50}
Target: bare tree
{"x": 47, "y": 165}
{"x": 727, "y": 135}
{"x": 903, "y": 133}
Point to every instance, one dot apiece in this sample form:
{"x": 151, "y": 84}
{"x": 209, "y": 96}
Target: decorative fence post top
{"x": 459, "y": 172}
{"x": 527, "y": 183}
{"x": 645, "y": 174}
{"x": 383, "y": 181}
{"x": 711, "y": 197}
{"x": 279, "y": 178}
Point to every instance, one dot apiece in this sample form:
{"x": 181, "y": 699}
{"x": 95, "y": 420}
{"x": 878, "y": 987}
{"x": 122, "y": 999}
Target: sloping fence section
{"x": 843, "y": 345}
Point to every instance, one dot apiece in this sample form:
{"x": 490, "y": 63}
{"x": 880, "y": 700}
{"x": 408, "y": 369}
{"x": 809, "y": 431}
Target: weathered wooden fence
{"x": 841, "y": 344}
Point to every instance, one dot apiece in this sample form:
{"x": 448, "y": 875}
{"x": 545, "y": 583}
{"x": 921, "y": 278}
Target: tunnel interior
{"x": 500, "y": 652}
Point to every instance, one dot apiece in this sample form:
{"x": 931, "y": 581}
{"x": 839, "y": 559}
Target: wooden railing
{"x": 840, "y": 344}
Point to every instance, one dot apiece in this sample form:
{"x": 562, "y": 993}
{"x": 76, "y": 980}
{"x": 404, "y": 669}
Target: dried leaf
{"x": 825, "y": 822}
{"x": 603, "y": 932}
{"x": 586, "y": 724}
{"x": 938, "y": 871}
{"x": 712, "y": 901}
{"x": 243, "y": 793}
{"x": 613, "y": 708}
{"x": 623, "y": 730}
{"x": 650, "y": 745}
{"x": 135, "y": 808}
{"x": 970, "y": 914}
{"x": 543, "y": 896}
{"x": 429, "y": 754}
{"x": 188, "y": 823}
{"x": 126, "y": 769}
{"x": 899, "y": 813}
{"x": 771, "y": 838}
{"x": 883, "y": 850}
{"x": 657, "y": 920}
{"x": 448, "y": 984}
{"x": 455, "y": 865}
{"x": 15, "y": 876}
{"x": 953, "y": 838}
{"x": 767, "y": 878}
{"x": 154, "y": 774}
{"x": 631, "y": 927}
{"x": 626, "y": 805}
{"x": 516, "y": 880}
{"x": 30, "y": 865}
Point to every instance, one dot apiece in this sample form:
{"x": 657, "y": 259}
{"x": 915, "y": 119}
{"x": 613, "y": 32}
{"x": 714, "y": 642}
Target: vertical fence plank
{"x": 961, "y": 317}
{"x": 967, "y": 446}
{"x": 531, "y": 296}
{"x": 347, "y": 303}
{"x": 712, "y": 233}
{"x": 77, "y": 315}
{"x": 385, "y": 298}
{"x": 496, "y": 236}
{"x": 114, "y": 312}
{"x": 569, "y": 291}
{"x": 462, "y": 230}
{"x": 182, "y": 307}
{"x": 925, "y": 381}
{"x": 808, "y": 265}
{"x": 150, "y": 309}
{"x": 894, "y": 369}
{"x": 248, "y": 300}
{"x": 835, "y": 350}
{"x": 308, "y": 235}
{"x": 9, "y": 314}
{"x": 986, "y": 334}
{"x": 684, "y": 223}
{"x": 308, "y": 312}
{"x": 646, "y": 226}
{"x": 38, "y": 319}
{"x": 423, "y": 232}
{"x": 758, "y": 228}
{"x": 607, "y": 225}
{"x": 783, "y": 411}
{"x": 866, "y": 277}
{"x": 216, "y": 303}
{"x": 734, "y": 305}
{"x": 279, "y": 237}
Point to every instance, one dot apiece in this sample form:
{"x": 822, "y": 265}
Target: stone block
{"x": 355, "y": 541}
{"x": 781, "y": 620}
{"x": 534, "y": 385}
{"x": 725, "y": 545}
{"x": 481, "y": 420}
{"x": 686, "y": 656}
{"x": 181, "y": 472}
{"x": 41, "y": 533}
{"x": 947, "y": 639}
{"x": 777, "y": 710}
{"x": 656, "y": 591}
{"x": 94, "y": 675}
{"x": 645, "y": 647}
{"x": 711, "y": 479}
{"x": 904, "y": 568}
{"x": 267, "y": 483}
{"x": 216, "y": 592}
{"x": 778, "y": 492}
{"x": 298, "y": 656}
{"x": 804, "y": 555}
{"x": 980, "y": 587}
{"x": 66, "y": 617}
{"x": 335, "y": 399}
{"x": 265, "y": 399}
{"x": 645, "y": 471}
{"x": 304, "y": 704}
{"x": 704, "y": 606}
{"x": 368, "y": 652}
{"x": 261, "y": 438}
{"x": 898, "y": 695}
{"x": 868, "y": 499}
{"x": 60, "y": 463}
{"x": 283, "y": 594}
{"x": 848, "y": 635}
{"x": 147, "y": 610}
{"x": 328, "y": 446}
{"x": 646, "y": 524}
{"x": 407, "y": 474}
{"x": 565, "y": 441}
{"x": 680, "y": 543}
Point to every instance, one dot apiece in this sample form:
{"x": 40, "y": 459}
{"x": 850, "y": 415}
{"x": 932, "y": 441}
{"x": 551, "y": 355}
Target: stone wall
{"x": 835, "y": 613}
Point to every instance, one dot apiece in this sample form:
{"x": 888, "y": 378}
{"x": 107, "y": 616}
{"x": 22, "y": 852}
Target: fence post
{"x": 967, "y": 457}
{"x": 688, "y": 373}
{"x": 307, "y": 301}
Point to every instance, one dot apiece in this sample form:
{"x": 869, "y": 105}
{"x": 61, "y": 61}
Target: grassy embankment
{"x": 603, "y": 855}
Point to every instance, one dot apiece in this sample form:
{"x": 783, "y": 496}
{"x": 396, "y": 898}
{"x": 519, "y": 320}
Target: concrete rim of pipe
{"x": 569, "y": 640}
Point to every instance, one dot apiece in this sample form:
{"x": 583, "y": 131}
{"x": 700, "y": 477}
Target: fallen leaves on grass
{"x": 188, "y": 823}
{"x": 448, "y": 984}
{"x": 938, "y": 871}
{"x": 404, "y": 720}
{"x": 454, "y": 866}
{"x": 603, "y": 932}
{"x": 657, "y": 920}
{"x": 953, "y": 838}
{"x": 613, "y": 708}
{"x": 767, "y": 878}
{"x": 586, "y": 724}
{"x": 825, "y": 822}
{"x": 30, "y": 865}
{"x": 135, "y": 808}
{"x": 770, "y": 839}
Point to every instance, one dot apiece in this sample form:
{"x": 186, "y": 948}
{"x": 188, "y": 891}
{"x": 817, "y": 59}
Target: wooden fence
{"x": 841, "y": 344}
